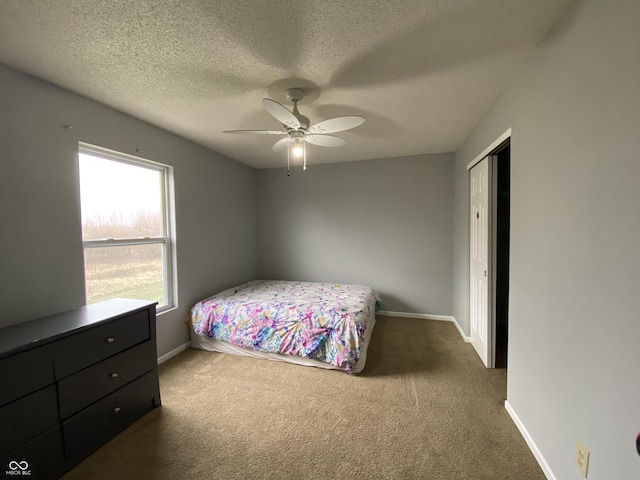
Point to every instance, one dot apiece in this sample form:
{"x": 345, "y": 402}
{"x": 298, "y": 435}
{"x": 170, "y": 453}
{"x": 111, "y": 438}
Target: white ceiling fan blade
{"x": 338, "y": 124}
{"x": 281, "y": 145}
{"x": 262, "y": 132}
{"x": 281, "y": 113}
{"x": 325, "y": 140}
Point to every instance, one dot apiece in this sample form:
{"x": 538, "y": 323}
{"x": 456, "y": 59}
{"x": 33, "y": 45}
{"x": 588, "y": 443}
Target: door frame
{"x": 492, "y": 248}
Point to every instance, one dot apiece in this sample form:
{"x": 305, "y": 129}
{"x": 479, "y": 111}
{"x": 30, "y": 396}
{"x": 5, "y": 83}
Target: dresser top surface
{"x": 21, "y": 336}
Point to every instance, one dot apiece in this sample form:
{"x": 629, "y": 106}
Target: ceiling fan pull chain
{"x": 304, "y": 154}
{"x": 288, "y": 171}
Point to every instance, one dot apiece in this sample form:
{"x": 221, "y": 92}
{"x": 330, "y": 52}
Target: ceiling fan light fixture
{"x": 297, "y": 151}
{"x": 297, "y": 147}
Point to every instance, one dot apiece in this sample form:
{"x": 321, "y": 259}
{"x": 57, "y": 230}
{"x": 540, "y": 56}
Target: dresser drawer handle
{"x": 116, "y": 410}
{"x": 114, "y": 375}
{"x": 110, "y": 340}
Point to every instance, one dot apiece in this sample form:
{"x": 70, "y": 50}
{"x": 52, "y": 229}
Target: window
{"x": 126, "y": 227}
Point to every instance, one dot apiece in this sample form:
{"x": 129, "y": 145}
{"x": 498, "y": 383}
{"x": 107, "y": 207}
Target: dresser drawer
{"x": 91, "y": 384}
{"x": 91, "y": 346}
{"x": 39, "y": 458}
{"x": 110, "y": 415}
{"x": 27, "y": 417}
{"x": 25, "y": 373}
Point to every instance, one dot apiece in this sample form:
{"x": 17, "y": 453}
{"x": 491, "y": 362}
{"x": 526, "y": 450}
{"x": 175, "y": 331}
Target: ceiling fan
{"x": 298, "y": 130}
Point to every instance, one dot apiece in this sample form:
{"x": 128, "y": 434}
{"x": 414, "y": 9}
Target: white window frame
{"x": 167, "y": 240}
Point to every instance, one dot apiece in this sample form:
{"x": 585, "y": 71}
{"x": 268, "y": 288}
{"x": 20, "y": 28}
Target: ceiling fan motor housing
{"x": 296, "y": 136}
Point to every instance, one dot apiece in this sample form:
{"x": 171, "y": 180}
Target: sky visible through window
{"x": 115, "y": 192}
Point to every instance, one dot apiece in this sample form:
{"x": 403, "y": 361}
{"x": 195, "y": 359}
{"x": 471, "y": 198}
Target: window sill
{"x": 166, "y": 310}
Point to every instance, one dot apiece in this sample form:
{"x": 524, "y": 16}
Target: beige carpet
{"x": 424, "y": 408}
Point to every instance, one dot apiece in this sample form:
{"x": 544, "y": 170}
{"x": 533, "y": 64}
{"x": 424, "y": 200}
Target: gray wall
{"x": 384, "y": 223}
{"x": 574, "y": 346}
{"x": 41, "y": 257}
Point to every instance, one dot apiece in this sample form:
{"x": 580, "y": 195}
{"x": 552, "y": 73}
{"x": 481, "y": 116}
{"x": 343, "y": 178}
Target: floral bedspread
{"x": 320, "y": 321}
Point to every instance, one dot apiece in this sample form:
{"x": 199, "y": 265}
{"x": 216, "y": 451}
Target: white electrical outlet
{"x": 582, "y": 458}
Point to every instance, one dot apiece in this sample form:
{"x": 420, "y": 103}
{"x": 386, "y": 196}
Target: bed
{"x": 324, "y": 325}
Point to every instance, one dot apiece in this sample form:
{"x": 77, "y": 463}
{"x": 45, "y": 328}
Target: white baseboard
{"x": 173, "y": 352}
{"x": 532, "y": 445}
{"x": 426, "y": 316}
{"x": 464, "y": 337}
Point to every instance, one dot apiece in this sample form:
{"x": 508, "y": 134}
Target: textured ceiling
{"x": 422, "y": 72}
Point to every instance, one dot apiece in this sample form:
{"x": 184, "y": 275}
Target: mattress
{"x": 319, "y": 324}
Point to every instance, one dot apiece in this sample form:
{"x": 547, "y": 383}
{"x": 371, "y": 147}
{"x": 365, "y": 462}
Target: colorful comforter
{"x": 320, "y": 321}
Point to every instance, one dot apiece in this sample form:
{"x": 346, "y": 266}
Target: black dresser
{"x": 72, "y": 381}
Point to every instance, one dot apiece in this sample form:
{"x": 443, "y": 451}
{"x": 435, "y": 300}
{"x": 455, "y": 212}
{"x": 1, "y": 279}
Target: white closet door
{"x": 479, "y": 292}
